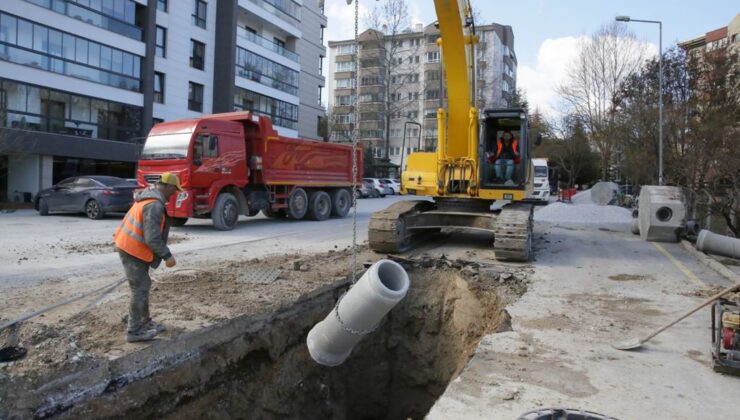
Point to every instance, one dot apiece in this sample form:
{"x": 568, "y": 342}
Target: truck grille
{"x": 538, "y": 185}
{"x": 152, "y": 178}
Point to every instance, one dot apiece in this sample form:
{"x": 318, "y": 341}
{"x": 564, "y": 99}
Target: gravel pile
{"x": 582, "y": 210}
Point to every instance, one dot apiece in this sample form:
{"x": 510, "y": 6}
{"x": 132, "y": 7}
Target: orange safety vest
{"x": 129, "y": 237}
{"x": 514, "y": 147}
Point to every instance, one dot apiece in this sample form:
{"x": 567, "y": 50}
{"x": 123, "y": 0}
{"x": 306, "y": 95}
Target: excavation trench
{"x": 259, "y": 367}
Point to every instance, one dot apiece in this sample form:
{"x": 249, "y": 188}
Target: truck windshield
{"x": 166, "y": 146}
{"x": 540, "y": 171}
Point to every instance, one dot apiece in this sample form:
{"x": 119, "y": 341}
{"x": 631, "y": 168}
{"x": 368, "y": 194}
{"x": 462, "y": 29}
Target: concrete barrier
{"x": 662, "y": 213}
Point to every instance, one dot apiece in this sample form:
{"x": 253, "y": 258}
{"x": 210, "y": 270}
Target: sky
{"x": 546, "y": 32}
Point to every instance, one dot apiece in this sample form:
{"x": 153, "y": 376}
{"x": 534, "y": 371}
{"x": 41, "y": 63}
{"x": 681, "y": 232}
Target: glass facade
{"x": 264, "y": 42}
{"x": 200, "y": 8}
{"x": 281, "y": 113}
{"x": 117, "y": 16}
{"x": 269, "y": 73}
{"x": 31, "y": 107}
{"x": 30, "y": 44}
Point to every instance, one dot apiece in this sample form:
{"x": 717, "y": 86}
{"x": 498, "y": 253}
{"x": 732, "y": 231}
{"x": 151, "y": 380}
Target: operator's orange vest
{"x": 129, "y": 237}
{"x": 514, "y": 147}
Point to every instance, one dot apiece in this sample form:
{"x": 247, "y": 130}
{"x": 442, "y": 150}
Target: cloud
{"x": 341, "y": 20}
{"x": 553, "y": 60}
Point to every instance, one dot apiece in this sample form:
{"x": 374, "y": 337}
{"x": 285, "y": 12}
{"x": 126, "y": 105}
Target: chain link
{"x": 355, "y": 133}
{"x": 350, "y": 329}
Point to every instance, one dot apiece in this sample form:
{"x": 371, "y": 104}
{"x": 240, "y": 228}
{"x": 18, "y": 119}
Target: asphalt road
{"x": 35, "y": 248}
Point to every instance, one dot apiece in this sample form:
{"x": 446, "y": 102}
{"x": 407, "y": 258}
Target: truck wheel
{"x": 225, "y": 212}
{"x": 297, "y": 204}
{"x": 274, "y": 214}
{"x": 319, "y": 206}
{"x": 178, "y": 221}
{"x": 340, "y": 202}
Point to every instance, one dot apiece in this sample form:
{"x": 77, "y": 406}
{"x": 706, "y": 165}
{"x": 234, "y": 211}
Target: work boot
{"x": 144, "y": 334}
{"x": 151, "y": 325}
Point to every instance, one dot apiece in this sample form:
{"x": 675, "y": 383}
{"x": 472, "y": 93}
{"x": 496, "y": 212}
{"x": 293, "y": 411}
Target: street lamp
{"x": 660, "y": 89}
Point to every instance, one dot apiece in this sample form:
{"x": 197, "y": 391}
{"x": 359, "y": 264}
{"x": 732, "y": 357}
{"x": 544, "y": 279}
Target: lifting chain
{"x": 355, "y": 134}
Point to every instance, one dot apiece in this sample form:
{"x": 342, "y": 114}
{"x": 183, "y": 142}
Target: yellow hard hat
{"x": 171, "y": 179}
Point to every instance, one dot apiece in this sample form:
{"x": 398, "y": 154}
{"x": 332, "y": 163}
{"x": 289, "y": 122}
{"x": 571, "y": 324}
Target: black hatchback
{"x": 93, "y": 195}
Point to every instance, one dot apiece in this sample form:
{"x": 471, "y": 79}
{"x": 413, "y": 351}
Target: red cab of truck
{"x": 236, "y": 163}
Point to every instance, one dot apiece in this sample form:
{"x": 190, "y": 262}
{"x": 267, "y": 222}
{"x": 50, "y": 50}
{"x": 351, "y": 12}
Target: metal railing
{"x": 266, "y": 43}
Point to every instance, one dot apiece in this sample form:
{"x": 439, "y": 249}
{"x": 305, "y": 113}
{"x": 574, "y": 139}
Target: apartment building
{"x": 715, "y": 40}
{"x": 401, "y": 82}
{"x": 83, "y": 81}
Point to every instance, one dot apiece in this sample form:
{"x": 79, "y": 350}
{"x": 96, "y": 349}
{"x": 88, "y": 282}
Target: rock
{"x": 505, "y": 276}
{"x": 469, "y": 271}
{"x": 296, "y": 265}
{"x": 509, "y": 395}
{"x": 304, "y": 267}
{"x": 519, "y": 276}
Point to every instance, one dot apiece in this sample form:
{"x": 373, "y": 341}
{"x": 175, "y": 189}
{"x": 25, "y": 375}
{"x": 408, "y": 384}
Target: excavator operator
{"x": 505, "y": 157}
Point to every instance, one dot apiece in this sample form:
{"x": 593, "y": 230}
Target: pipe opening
{"x": 392, "y": 276}
{"x": 664, "y": 214}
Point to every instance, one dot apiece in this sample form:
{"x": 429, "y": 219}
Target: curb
{"x": 711, "y": 262}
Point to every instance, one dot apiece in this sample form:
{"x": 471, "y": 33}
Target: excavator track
{"x": 387, "y": 229}
{"x": 513, "y": 233}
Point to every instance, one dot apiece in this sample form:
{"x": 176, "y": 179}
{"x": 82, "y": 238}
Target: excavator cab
{"x": 497, "y": 169}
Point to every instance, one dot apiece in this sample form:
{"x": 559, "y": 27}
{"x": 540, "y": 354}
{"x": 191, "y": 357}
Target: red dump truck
{"x": 236, "y": 163}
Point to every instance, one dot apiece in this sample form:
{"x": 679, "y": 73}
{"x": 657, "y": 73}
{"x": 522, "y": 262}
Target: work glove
{"x": 170, "y": 262}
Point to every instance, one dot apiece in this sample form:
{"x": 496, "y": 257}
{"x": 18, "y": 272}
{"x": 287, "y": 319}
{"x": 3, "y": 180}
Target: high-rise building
{"x": 82, "y": 81}
{"x": 400, "y": 77}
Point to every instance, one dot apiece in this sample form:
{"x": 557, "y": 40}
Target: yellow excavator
{"x": 462, "y": 175}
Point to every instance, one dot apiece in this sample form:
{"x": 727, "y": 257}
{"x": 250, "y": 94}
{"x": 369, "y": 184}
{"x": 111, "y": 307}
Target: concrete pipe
{"x": 357, "y": 314}
{"x": 635, "y": 226}
{"x": 718, "y": 244}
{"x": 692, "y": 228}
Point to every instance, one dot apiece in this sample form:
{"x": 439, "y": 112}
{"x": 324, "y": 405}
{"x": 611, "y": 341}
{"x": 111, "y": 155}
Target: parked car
{"x": 381, "y": 187}
{"x": 366, "y": 190}
{"x": 93, "y": 195}
{"x": 394, "y": 184}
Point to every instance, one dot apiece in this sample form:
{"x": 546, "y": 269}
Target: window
{"x": 162, "y": 5}
{"x": 161, "y": 42}
{"x": 344, "y": 118}
{"x": 433, "y": 57}
{"x": 283, "y": 114}
{"x": 412, "y": 115}
{"x": 346, "y": 49}
{"x": 266, "y": 72}
{"x": 199, "y": 13}
{"x": 320, "y": 102}
{"x": 158, "y": 87}
{"x": 432, "y": 94}
{"x": 321, "y": 65}
{"x": 345, "y": 66}
{"x": 345, "y": 83}
{"x": 197, "y": 54}
{"x": 195, "y": 97}
{"x": 343, "y": 100}
{"x": 31, "y": 44}
{"x": 321, "y": 34}
{"x": 205, "y": 146}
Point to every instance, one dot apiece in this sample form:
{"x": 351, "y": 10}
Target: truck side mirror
{"x": 538, "y": 139}
{"x": 197, "y": 161}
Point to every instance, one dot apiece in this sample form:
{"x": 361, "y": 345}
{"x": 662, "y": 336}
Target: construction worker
{"x": 141, "y": 241}
{"x": 507, "y": 154}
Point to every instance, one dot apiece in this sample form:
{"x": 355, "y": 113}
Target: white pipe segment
{"x": 357, "y": 314}
{"x": 718, "y": 244}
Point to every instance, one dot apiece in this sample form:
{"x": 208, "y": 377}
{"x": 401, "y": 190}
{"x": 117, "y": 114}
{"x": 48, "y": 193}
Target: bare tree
{"x": 604, "y": 61}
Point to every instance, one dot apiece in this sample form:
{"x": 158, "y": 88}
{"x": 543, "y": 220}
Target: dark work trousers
{"x": 137, "y": 273}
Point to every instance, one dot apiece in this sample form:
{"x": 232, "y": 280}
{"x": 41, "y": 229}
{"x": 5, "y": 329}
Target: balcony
{"x": 97, "y": 17}
{"x": 281, "y": 8}
{"x": 266, "y": 43}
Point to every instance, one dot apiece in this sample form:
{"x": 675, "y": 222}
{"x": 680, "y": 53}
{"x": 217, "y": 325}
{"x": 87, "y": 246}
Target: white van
{"x": 541, "y": 188}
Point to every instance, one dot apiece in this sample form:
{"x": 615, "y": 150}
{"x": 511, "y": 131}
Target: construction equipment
{"x": 460, "y": 175}
{"x": 726, "y": 336}
{"x": 635, "y": 343}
